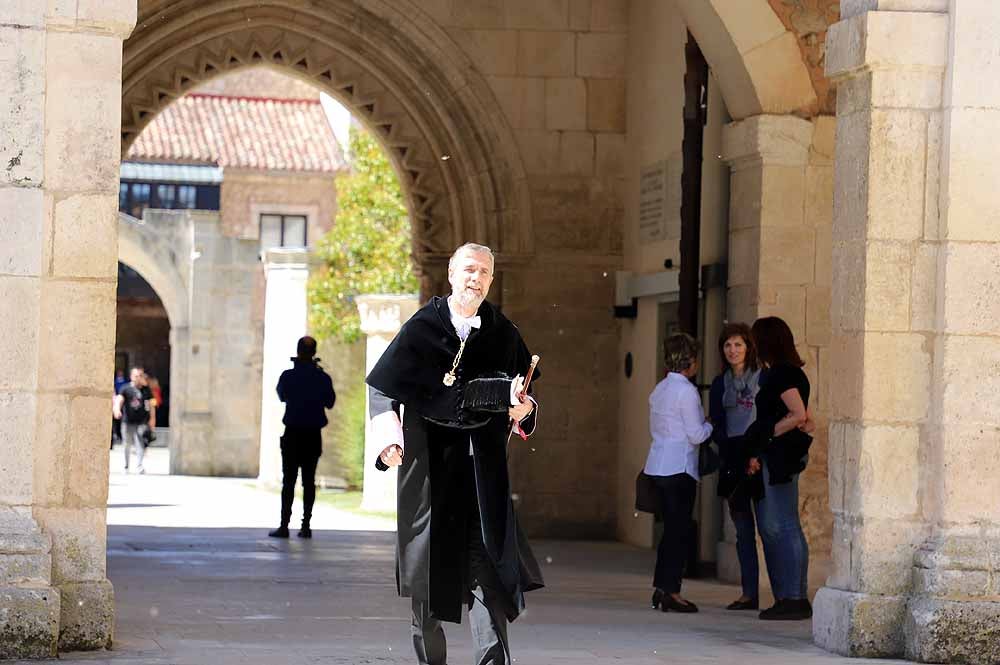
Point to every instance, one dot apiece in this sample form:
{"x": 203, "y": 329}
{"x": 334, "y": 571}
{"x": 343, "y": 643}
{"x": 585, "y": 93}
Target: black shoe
{"x": 788, "y": 610}
{"x": 305, "y": 532}
{"x": 280, "y": 532}
{"x": 658, "y": 595}
{"x": 752, "y": 604}
{"x": 668, "y": 604}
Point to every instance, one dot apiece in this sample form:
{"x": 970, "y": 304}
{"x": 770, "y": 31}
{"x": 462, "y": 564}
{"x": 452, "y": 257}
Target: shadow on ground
{"x": 213, "y": 596}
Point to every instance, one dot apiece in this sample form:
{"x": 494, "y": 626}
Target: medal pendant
{"x": 449, "y": 379}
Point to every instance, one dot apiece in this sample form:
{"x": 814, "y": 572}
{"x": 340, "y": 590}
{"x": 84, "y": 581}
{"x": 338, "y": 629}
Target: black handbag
{"x": 708, "y": 458}
{"x": 646, "y": 496}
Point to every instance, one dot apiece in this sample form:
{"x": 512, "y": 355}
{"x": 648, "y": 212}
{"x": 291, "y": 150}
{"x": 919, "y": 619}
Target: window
{"x": 138, "y": 198}
{"x": 134, "y": 197}
{"x": 187, "y": 197}
{"x": 282, "y": 231}
{"x": 166, "y": 196}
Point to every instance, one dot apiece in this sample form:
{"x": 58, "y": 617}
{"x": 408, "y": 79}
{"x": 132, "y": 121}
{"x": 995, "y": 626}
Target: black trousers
{"x": 483, "y": 596}
{"x": 676, "y": 494}
{"x": 300, "y": 449}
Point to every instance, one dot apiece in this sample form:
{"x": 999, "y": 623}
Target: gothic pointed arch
{"x": 397, "y": 71}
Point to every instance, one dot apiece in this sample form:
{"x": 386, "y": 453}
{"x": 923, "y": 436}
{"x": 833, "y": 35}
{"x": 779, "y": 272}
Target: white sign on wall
{"x": 660, "y": 200}
{"x": 653, "y": 202}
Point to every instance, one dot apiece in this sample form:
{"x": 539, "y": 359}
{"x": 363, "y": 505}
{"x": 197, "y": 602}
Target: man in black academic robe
{"x": 455, "y": 367}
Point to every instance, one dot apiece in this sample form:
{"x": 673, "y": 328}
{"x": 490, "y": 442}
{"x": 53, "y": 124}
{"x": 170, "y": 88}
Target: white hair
{"x": 472, "y": 247}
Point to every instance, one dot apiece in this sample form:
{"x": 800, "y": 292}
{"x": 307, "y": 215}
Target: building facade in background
{"x": 256, "y": 150}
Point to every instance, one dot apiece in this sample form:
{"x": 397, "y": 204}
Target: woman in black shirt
{"x": 782, "y": 447}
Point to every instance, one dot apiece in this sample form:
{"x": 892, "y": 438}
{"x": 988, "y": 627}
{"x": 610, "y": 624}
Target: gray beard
{"x": 466, "y": 299}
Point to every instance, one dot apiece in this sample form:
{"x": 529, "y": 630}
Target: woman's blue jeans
{"x": 786, "y": 552}
{"x": 746, "y": 544}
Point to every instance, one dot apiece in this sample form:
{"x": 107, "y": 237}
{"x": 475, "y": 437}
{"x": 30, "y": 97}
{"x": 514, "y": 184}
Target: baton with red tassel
{"x": 516, "y": 426}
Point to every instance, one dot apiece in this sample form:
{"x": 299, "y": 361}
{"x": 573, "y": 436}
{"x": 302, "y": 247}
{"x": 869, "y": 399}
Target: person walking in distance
{"x": 116, "y": 423}
{"x": 132, "y": 407}
{"x": 307, "y": 391}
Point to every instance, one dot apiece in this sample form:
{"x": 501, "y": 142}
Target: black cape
{"x": 438, "y": 475}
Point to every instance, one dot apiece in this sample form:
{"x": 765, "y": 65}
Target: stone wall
{"x": 219, "y": 356}
{"x": 557, "y": 71}
{"x": 248, "y": 194}
{"x": 210, "y": 285}
{"x": 59, "y": 123}
{"x": 915, "y": 265}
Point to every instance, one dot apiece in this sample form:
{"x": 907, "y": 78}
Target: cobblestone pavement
{"x": 198, "y": 582}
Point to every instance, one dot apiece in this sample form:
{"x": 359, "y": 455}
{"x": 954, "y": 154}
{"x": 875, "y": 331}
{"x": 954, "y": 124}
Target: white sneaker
{"x": 141, "y": 471}
{"x": 126, "y": 470}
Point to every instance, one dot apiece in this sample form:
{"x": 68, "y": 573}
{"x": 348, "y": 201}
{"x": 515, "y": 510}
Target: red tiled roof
{"x": 241, "y": 132}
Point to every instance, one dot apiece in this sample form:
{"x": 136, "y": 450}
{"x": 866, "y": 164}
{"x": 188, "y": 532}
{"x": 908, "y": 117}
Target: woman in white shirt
{"x": 677, "y": 425}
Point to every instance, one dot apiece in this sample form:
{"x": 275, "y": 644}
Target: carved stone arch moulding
{"x": 398, "y": 72}
{"x": 151, "y": 254}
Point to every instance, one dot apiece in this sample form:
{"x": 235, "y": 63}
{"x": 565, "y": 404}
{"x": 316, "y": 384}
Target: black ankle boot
{"x": 280, "y": 532}
{"x": 305, "y": 532}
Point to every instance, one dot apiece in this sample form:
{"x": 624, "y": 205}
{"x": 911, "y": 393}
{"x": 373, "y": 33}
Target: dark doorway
{"x": 695, "y": 117}
{"x": 143, "y": 335}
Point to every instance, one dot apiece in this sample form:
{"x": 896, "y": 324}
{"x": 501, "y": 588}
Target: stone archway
{"x": 392, "y": 66}
{"x": 779, "y": 150}
{"x": 183, "y": 256}
{"x": 152, "y": 251}
{"x": 156, "y": 252}
{"x": 755, "y": 57}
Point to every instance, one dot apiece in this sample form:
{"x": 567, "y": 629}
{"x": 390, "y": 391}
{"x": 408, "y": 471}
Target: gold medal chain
{"x": 449, "y": 378}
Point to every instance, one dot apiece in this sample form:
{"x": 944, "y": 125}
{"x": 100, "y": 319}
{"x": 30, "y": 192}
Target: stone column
{"x": 953, "y": 614}
{"x": 192, "y": 452}
{"x": 889, "y": 67}
{"x": 381, "y": 318}
{"x": 285, "y": 320}
{"x": 60, "y": 77}
{"x": 779, "y": 246}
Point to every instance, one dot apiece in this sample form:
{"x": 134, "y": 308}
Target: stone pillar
{"x": 216, "y": 362}
{"x": 191, "y": 453}
{"x": 884, "y": 447}
{"x": 285, "y": 320}
{"x": 60, "y": 80}
{"x": 953, "y": 614}
{"x": 769, "y": 242}
{"x": 381, "y": 318}
{"x": 779, "y": 245}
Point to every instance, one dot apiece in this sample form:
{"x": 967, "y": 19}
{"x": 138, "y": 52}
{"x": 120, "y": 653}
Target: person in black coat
{"x": 780, "y": 442}
{"x": 307, "y": 392}
{"x": 455, "y": 368}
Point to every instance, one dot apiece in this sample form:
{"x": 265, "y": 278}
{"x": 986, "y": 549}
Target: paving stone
{"x": 198, "y": 581}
